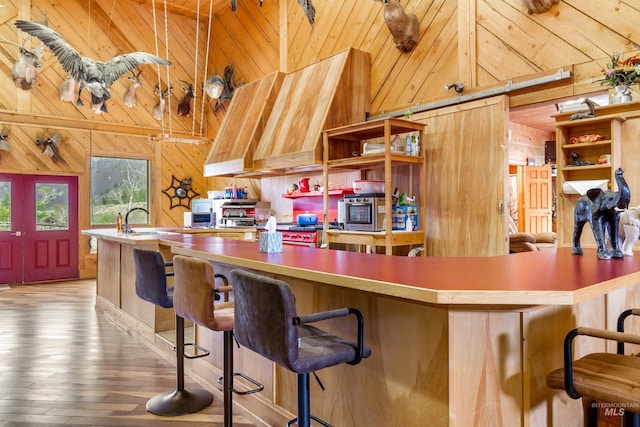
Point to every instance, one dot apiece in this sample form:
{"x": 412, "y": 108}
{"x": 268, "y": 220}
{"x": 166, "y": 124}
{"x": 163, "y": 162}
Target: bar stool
{"x": 151, "y": 286}
{"x": 266, "y": 322}
{"x": 193, "y": 299}
{"x": 602, "y": 377}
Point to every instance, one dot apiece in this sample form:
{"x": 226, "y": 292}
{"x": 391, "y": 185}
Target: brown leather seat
{"x": 604, "y": 377}
{"x": 194, "y": 299}
{"x": 267, "y": 323}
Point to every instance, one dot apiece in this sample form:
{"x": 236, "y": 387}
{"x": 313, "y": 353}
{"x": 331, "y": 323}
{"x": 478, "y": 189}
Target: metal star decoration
{"x": 180, "y": 191}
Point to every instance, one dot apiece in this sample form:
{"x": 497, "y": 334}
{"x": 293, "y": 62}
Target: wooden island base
{"x": 456, "y": 341}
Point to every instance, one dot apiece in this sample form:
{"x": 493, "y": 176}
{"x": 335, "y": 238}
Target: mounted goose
{"x": 96, "y": 76}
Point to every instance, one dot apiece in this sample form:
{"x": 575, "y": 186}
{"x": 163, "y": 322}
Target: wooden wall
{"x": 480, "y": 42}
{"x": 101, "y": 31}
{"x": 484, "y": 43}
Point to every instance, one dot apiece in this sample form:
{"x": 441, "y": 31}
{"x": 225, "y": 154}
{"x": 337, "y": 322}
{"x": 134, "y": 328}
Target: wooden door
{"x": 537, "y": 199}
{"x": 42, "y": 240}
{"x": 467, "y": 167}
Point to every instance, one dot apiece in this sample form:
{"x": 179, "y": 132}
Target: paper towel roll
{"x": 581, "y": 187}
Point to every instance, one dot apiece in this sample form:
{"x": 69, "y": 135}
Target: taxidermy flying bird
{"x": 4, "y": 144}
{"x": 50, "y": 146}
{"x": 95, "y": 76}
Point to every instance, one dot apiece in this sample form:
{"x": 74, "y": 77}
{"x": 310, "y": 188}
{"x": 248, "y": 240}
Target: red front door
{"x": 42, "y": 238}
{"x": 10, "y": 229}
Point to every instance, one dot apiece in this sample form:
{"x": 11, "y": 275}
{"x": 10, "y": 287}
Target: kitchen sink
{"x": 147, "y": 233}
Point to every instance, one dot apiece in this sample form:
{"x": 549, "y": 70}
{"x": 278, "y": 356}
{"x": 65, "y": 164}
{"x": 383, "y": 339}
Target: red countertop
{"x": 548, "y": 277}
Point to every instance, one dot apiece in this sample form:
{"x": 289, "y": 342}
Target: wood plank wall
{"x": 483, "y": 43}
{"x": 100, "y": 31}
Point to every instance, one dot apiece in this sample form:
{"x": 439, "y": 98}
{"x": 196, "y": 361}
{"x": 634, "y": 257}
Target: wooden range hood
{"x": 331, "y": 93}
{"x": 233, "y": 148}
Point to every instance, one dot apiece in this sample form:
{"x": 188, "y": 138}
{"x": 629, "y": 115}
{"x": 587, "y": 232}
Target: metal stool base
{"x": 179, "y": 402}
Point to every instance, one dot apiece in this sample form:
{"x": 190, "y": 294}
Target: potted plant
{"x": 620, "y": 74}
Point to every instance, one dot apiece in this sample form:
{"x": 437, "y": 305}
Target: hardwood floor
{"x": 62, "y": 363}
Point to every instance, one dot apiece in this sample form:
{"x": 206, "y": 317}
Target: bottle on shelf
{"x": 415, "y": 145}
{"x": 408, "y": 146}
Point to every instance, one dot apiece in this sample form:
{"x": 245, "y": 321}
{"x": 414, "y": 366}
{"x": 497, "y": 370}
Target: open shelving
{"x": 343, "y": 148}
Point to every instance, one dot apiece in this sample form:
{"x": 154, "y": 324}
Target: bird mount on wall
{"x": 4, "y": 144}
{"x": 221, "y": 89}
{"x": 95, "y": 76}
{"x": 180, "y": 192}
{"x": 404, "y": 27}
{"x": 538, "y": 6}
{"x": 68, "y": 90}
{"x": 50, "y": 145}
{"x": 309, "y": 11}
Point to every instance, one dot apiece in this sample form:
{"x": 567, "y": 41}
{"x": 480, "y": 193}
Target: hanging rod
{"x": 510, "y": 86}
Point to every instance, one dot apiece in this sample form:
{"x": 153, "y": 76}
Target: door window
{"x": 52, "y": 206}
{"x": 5, "y": 206}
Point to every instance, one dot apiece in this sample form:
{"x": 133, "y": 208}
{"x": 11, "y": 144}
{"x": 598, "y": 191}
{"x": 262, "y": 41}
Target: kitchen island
{"x": 456, "y": 341}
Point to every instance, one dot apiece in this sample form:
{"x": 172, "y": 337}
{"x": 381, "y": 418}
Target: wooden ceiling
{"x": 534, "y": 116}
{"x": 190, "y": 7}
{"x": 539, "y": 116}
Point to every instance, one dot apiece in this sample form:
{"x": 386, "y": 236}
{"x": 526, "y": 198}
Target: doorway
{"x": 38, "y": 228}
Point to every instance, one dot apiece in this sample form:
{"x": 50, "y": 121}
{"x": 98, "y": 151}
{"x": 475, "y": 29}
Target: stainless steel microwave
{"x": 203, "y": 219}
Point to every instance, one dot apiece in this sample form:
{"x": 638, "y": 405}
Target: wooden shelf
{"x": 376, "y": 238}
{"x": 334, "y": 192}
{"x": 599, "y": 119}
{"x": 587, "y": 144}
{"x": 373, "y": 159}
{"x": 576, "y": 168}
{"x": 341, "y": 143}
{"x": 610, "y": 127}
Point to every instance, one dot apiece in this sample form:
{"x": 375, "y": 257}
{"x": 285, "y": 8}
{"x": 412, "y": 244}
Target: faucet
{"x": 126, "y": 228}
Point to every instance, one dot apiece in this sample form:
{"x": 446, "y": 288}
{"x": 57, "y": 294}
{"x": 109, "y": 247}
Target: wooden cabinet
{"x": 246, "y": 233}
{"x": 343, "y": 149}
{"x": 588, "y": 153}
{"x": 591, "y": 141}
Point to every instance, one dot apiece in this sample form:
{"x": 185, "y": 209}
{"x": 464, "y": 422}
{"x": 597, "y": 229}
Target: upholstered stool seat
{"x": 267, "y": 323}
{"x": 151, "y": 286}
{"x": 604, "y": 377}
{"x": 193, "y": 299}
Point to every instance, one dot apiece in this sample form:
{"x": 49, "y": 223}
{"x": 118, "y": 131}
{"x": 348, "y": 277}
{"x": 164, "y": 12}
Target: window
{"x": 118, "y": 185}
{"x": 5, "y": 206}
{"x": 52, "y": 206}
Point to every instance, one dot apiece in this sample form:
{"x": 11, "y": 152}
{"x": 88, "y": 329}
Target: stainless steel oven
{"x": 364, "y": 212}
